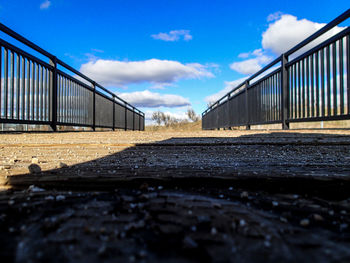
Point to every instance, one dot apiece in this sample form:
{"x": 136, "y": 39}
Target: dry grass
{"x": 183, "y": 126}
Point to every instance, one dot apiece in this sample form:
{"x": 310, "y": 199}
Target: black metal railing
{"x": 314, "y": 86}
{"x": 33, "y": 91}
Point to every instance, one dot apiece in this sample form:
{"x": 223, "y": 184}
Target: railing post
{"x": 126, "y": 117}
{"x": 247, "y": 105}
{"x": 113, "y": 113}
{"x": 53, "y": 62}
{"x": 284, "y": 93}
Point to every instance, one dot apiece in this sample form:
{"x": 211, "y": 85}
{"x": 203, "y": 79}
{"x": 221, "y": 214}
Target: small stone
{"x": 60, "y": 197}
{"x": 274, "y": 203}
{"x": 217, "y": 205}
{"x": 62, "y": 165}
{"x": 305, "y": 222}
{"x": 318, "y": 217}
{"x": 283, "y": 219}
{"x": 142, "y": 254}
{"x": 343, "y": 226}
{"x": 49, "y": 198}
{"x": 188, "y": 242}
{"x": 160, "y": 187}
{"x": 102, "y": 250}
{"x": 267, "y": 243}
{"x": 35, "y": 160}
{"x": 244, "y": 194}
{"x": 213, "y": 231}
{"x": 230, "y": 188}
{"x": 193, "y": 228}
{"x": 331, "y": 212}
{"x": 5, "y": 167}
{"x": 34, "y": 168}
{"x": 242, "y": 222}
{"x": 32, "y": 188}
{"x": 11, "y": 202}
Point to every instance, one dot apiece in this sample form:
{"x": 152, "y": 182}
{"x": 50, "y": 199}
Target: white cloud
{"x": 161, "y": 86}
{"x": 173, "y": 35}
{"x": 45, "y": 5}
{"x": 119, "y": 73}
{"x": 229, "y": 85}
{"x": 150, "y": 99}
{"x": 283, "y": 33}
{"x": 288, "y": 31}
{"x": 252, "y": 65}
{"x": 275, "y": 16}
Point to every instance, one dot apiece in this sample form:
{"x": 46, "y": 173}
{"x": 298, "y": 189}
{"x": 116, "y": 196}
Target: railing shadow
{"x": 312, "y": 163}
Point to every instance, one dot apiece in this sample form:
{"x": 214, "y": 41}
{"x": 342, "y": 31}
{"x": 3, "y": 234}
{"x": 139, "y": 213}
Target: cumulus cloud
{"x": 251, "y": 65}
{"x": 120, "y": 73}
{"x": 288, "y": 31}
{"x": 229, "y": 85}
{"x": 45, "y": 5}
{"x": 150, "y": 99}
{"x": 173, "y": 35}
{"x": 284, "y": 32}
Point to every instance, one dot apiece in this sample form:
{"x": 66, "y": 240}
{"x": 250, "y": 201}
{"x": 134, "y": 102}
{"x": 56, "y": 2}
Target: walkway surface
{"x": 209, "y": 196}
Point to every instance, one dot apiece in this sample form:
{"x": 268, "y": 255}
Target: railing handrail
{"x": 297, "y": 47}
{"x": 47, "y": 54}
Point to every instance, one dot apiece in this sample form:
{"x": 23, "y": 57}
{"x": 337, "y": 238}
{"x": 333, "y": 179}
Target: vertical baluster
{"x": 37, "y": 91}
{"x": 6, "y": 82}
{"x": 18, "y": 82}
{"x": 1, "y": 81}
{"x": 270, "y": 98}
{"x": 299, "y": 90}
{"x": 59, "y": 98}
{"x": 323, "y": 87}
{"x": 328, "y": 59}
{"x": 23, "y": 93}
{"x": 303, "y": 105}
{"x": 317, "y": 85}
{"x": 312, "y": 87}
{"x": 33, "y": 90}
{"x": 348, "y": 71}
{"x": 291, "y": 90}
{"x": 41, "y": 92}
{"x": 341, "y": 76}
{"x": 47, "y": 81}
{"x": 307, "y": 87}
{"x": 74, "y": 112}
{"x": 28, "y": 91}
{"x": 45, "y": 94}
{"x": 63, "y": 97}
{"x": 334, "y": 75}
{"x": 12, "y": 83}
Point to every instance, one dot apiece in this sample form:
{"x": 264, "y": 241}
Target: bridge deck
{"x": 214, "y": 195}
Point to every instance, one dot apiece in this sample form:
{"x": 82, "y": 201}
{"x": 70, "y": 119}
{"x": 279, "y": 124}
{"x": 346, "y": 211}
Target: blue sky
{"x": 167, "y": 55}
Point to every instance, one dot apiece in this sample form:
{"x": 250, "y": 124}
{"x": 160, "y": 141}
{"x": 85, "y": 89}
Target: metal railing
{"x": 314, "y": 86}
{"x": 33, "y": 91}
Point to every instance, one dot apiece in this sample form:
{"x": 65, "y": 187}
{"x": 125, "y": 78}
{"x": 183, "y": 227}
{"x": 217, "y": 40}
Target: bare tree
{"x": 191, "y": 114}
{"x": 157, "y": 116}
